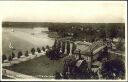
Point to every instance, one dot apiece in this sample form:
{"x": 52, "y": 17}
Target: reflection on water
{"x": 39, "y": 35}
{"x": 23, "y": 39}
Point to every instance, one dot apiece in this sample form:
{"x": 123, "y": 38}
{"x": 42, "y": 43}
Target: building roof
{"x": 86, "y": 47}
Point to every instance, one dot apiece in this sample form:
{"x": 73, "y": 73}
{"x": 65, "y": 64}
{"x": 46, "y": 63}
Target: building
{"x": 89, "y": 51}
{"x": 86, "y": 50}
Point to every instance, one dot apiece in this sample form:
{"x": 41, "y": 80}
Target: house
{"x": 90, "y": 51}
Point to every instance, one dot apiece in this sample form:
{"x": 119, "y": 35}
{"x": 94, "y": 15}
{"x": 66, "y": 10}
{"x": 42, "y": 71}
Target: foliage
{"x": 103, "y": 54}
{"x": 26, "y": 54}
{"x": 113, "y": 69}
{"x": 43, "y": 48}
{"x": 57, "y": 75}
{"x": 19, "y": 54}
{"x": 47, "y": 47}
{"x": 71, "y": 71}
{"x": 38, "y": 50}
{"x": 13, "y": 54}
{"x": 33, "y": 51}
{"x": 10, "y": 58}
{"x": 53, "y": 54}
{"x": 4, "y": 57}
{"x": 120, "y": 46}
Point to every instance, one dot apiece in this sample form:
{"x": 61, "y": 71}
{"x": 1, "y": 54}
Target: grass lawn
{"x": 39, "y": 67}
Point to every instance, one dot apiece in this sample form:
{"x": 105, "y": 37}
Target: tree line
{"x": 20, "y": 53}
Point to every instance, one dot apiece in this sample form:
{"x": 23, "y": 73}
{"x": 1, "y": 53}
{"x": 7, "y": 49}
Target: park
{"x": 63, "y": 50}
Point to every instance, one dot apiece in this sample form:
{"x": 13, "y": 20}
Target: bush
{"x": 10, "y": 58}
{"x": 57, "y": 75}
{"x": 26, "y": 54}
{"x": 120, "y": 46}
{"x": 19, "y": 54}
{"x": 47, "y": 47}
{"x": 4, "y": 57}
{"x": 33, "y": 51}
{"x": 53, "y": 54}
{"x": 13, "y": 54}
{"x": 74, "y": 72}
{"x": 113, "y": 69}
{"x": 43, "y": 48}
{"x": 38, "y": 50}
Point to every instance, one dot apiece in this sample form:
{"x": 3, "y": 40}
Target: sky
{"x": 63, "y": 11}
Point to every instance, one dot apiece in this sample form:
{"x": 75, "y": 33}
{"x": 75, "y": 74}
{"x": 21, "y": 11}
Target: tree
{"x": 33, "y": 51}
{"x": 57, "y": 75}
{"x": 120, "y": 46}
{"x": 82, "y": 71}
{"x": 103, "y": 54}
{"x": 103, "y": 34}
{"x": 48, "y": 52}
{"x": 10, "y": 58}
{"x": 38, "y": 50}
{"x": 26, "y": 54}
{"x": 71, "y": 71}
{"x": 43, "y": 48}
{"x": 19, "y": 54}
{"x": 47, "y": 47}
{"x": 113, "y": 69}
{"x": 55, "y": 44}
{"x": 59, "y": 45}
{"x": 113, "y": 32}
{"x": 4, "y": 57}
{"x": 13, "y": 54}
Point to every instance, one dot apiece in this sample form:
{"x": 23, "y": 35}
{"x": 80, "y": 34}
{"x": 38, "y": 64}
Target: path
{"x": 16, "y": 75}
{"x": 22, "y": 59}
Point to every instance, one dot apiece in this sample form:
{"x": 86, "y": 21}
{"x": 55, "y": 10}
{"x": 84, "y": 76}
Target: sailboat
{"x": 12, "y": 30}
{"x": 10, "y": 46}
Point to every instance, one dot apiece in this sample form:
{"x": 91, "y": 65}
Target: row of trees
{"x": 20, "y": 53}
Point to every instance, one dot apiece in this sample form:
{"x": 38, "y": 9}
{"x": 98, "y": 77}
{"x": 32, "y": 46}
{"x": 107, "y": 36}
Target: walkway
{"x": 16, "y": 75}
{"x": 22, "y": 59}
